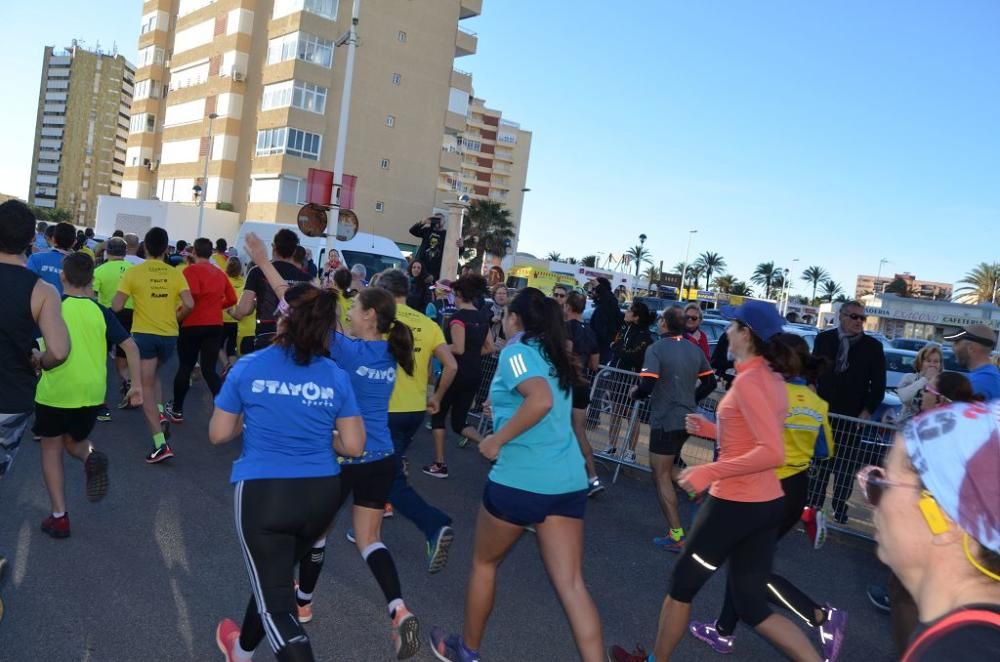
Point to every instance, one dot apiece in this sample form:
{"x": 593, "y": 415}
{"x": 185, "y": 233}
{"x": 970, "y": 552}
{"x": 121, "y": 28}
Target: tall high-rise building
{"x": 908, "y": 285}
{"x": 265, "y": 78}
{"x": 81, "y": 130}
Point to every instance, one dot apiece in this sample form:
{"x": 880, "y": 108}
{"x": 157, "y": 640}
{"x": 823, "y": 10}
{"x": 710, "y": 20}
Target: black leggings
{"x": 277, "y": 521}
{"x": 781, "y": 592}
{"x": 230, "y": 336}
{"x": 744, "y": 533}
{"x": 458, "y": 400}
{"x": 194, "y": 343}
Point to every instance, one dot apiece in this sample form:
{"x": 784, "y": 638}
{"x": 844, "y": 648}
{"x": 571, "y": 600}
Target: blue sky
{"x": 835, "y": 133}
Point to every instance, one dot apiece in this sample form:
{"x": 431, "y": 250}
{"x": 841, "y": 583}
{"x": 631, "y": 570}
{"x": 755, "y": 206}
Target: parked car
{"x": 886, "y": 343}
{"x": 912, "y": 344}
{"x": 898, "y": 362}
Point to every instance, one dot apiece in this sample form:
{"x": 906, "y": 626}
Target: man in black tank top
{"x": 31, "y": 305}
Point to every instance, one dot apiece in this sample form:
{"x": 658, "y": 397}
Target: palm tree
{"x": 638, "y": 254}
{"x": 831, "y": 290}
{"x": 571, "y": 260}
{"x": 764, "y": 275}
{"x": 740, "y": 288}
{"x": 588, "y": 261}
{"x": 724, "y": 283}
{"x": 553, "y": 257}
{"x": 980, "y": 284}
{"x": 815, "y": 275}
{"x": 652, "y": 274}
{"x": 487, "y": 229}
{"x": 710, "y": 263}
{"x": 680, "y": 267}
{"x": 694, "y": 274}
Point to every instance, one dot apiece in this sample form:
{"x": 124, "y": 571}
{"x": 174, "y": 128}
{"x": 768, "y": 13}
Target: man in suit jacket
{"x": 854, "y": 385}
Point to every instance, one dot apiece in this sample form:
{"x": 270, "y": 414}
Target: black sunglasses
{"x": 856, "y": 317}
{"x": 693, "y": 318}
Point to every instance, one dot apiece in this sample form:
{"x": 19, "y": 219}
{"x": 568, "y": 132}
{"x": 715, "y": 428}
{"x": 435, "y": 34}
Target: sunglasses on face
{"x": 856, "y": 317}
{"x": 559, "y": 295}
{"x": 874, "y": 483}
{"x": 693, "y": 318}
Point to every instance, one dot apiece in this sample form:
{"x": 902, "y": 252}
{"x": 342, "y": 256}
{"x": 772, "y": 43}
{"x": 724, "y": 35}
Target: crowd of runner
{"x": 327, "y": 378}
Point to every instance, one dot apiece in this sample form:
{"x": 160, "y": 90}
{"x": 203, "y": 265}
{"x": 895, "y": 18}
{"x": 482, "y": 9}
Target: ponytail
{"x": 306, "y": 326}
{"x": 400, "y": 336}
{"x": 542, "y": 320}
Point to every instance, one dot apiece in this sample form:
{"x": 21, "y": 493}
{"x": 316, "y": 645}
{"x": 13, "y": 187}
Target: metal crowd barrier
{"x": 618, "y": 432}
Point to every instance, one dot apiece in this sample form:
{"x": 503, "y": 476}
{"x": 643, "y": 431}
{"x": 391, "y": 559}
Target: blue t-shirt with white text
{"x": 289, "y": 414}
{"x": 48, "y": 266}
{"x": 372, "y": 370}
{"x": 545, "y": 458}
{"x": 985, "y": 381}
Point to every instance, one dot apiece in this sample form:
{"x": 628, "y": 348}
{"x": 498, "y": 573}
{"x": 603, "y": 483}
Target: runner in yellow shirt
{"x": 162, "y": 298}
{"x": 106, "y": 279}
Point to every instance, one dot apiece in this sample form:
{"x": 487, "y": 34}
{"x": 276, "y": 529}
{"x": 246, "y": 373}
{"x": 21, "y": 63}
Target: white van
{"x": 375, "y": 252}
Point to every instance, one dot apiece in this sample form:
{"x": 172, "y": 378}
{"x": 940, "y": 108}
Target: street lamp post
{"x": 787, "y": 289}
{"x": 638, "y": 261}
{"x": 204, "y": 178}
{"x": 350, "y": 39}
{"x": 878, "y": 276}
{"x": 687, "y": 254}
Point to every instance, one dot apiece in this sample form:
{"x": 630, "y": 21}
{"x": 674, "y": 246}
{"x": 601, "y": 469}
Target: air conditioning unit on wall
{"x": 238, "y": 76}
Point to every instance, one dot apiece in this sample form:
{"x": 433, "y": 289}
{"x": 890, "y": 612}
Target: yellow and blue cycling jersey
{"x": 807, "y": 429}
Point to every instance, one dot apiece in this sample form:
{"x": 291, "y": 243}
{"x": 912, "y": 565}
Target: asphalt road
{"x": 150, "y": 570}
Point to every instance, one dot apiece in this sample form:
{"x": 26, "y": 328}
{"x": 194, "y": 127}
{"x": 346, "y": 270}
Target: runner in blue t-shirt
{"x": 287, "y": 401}
{"x": 538, "y": 478}
{"x": 48, "y": 264}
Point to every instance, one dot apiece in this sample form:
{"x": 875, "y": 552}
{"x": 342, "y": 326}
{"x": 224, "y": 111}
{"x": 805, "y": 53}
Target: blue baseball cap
{"x": 762, "y": 318}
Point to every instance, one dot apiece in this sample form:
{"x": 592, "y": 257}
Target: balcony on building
{"x": 454, "y": 123}
{"x": 465, "y": 42}
{"x": 470, "y": 8}
{"x": 451, "y": 160}
{"x": 461, "y": 80}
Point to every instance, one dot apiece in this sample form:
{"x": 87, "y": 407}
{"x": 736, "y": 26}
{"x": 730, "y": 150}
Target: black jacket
{"x": 862, "y": 385}
{"x": 431, "y": 248}
{"x": 629, "y": 348}
{"x": 605, "y": 321}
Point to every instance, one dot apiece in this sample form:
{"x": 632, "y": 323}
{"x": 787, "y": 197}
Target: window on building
{"x": 292, "y": 190}
{"x": 401, "y": 37}
{"x": 147, "y": 89}
{"x": 324, "y": 8}
{"x": 309, "y": 97}
{"x": 149, "y": 23}
{"x": 384, "y": 164}
{"x": 390, "y": 121}
{"x": 379, "y": 206}
{"x": 150, "y": 55}
{"x": 277, "y": 95}
{"x": 397, "y": 79}
{"x": 303, "y": 46}
{"x": 142, "y": 123}
{"x": 293, "y": 142}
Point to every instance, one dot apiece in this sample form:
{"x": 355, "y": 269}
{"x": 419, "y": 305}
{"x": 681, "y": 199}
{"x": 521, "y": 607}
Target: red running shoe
{"x": 227, "y": 633}
{"x": 619, "y": 654}
{"x": 57, "y": 527}
{"x": 814, "y": 522}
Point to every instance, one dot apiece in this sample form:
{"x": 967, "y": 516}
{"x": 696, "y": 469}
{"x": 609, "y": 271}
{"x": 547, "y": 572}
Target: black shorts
{"x": 522, "y": 508}
{"x": 581, "y": 397}
{"x": 125, "y": 318}
{"x": 370, "y": 482}
{"x": 667, "y": 442}
{"x": 55, "y": 421}
{"x": 458, "y": 401}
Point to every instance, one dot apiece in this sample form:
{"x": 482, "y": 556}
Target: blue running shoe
{"x": 449, "y": 647}
{"x": 437, "y": 549}
{"x": 668, "y": 543}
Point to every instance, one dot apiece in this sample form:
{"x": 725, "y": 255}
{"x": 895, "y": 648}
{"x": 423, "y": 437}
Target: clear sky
{"x": 837, "y": 133}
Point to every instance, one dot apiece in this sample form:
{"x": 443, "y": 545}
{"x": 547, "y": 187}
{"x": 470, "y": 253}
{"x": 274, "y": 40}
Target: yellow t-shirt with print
{"x": 155, "y": 288}
{"x": 805, "y": 424}
{"x": 410, "y": 393}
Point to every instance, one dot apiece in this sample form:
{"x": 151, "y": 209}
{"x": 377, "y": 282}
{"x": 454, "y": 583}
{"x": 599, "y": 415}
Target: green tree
{"x": 831, "y": 290}
{"x": 571, "y": 260}
{"x": 764, "y": 275}
{"x": 553, "y": 256}
{"x": 60, "y": 215}
{"x": 652, "y": 274}
{"x": 980, "y": 285}
{"x": 487, "y": 229}
{"x": 638, "y": 255}
{"x": 724, "y": 283}
{"x": 815, "y": 275}
{"x": 588, "y": 261}
{"x": 740, "y": 288}
{"x": 694, "y": 276}
{"x": 898, "y": 287}
{"x": 710, "y": 263}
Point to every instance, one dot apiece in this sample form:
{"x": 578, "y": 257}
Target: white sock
{"x": 58, "y": 515}
{"x": 303, "y": 596}
{"x": 240, "y": 654}
{"x": 395, "y": 604}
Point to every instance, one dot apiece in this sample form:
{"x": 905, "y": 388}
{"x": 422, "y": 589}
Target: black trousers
{"x": 193, "y": 344}
{"x": 848, "y": 459}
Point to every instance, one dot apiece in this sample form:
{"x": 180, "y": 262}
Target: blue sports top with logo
{"x": 289, "y": 414}
{"x": 372, "y": 370}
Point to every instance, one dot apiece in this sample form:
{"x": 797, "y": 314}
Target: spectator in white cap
{"x": 937, "y": 515}
{"x": 973, "y": 345}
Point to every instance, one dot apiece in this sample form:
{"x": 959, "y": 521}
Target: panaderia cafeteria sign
{"x": 929, "y": 318}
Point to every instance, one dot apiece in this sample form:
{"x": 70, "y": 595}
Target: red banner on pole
{"x": 319, "y": 187}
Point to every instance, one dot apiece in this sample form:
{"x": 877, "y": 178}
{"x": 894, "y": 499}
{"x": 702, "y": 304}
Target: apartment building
{"x": 81, "y": 130}
{"x": 483, "y": 155}
{"x": 918, "y": 289}
{"x": 265, "y": 77}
